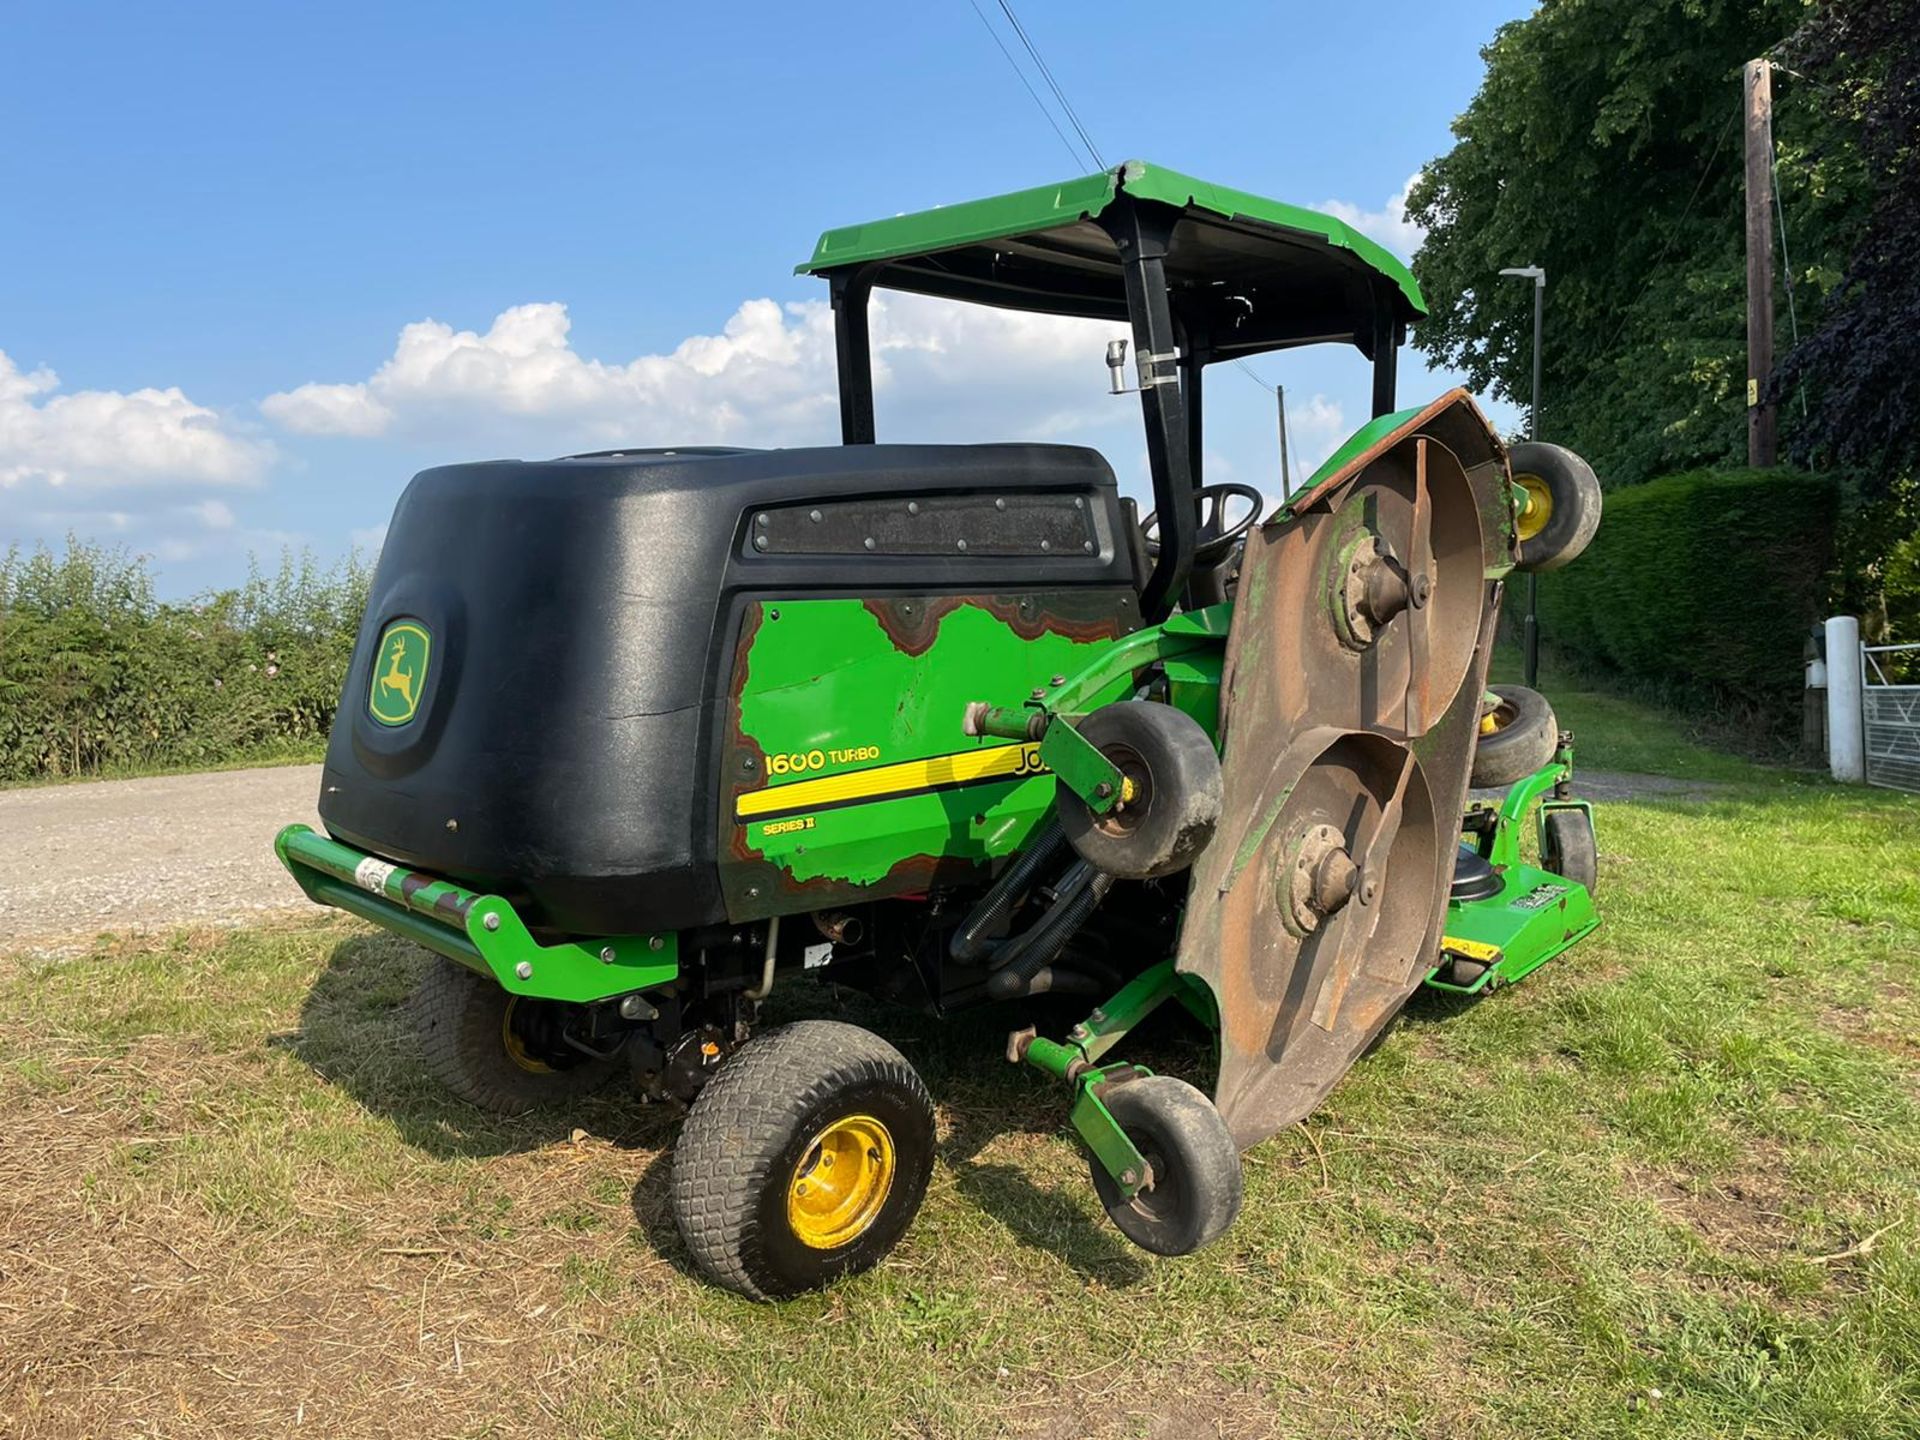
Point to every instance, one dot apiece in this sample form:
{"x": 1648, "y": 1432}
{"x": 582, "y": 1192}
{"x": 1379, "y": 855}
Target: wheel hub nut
{"x": 1318, "y": 879}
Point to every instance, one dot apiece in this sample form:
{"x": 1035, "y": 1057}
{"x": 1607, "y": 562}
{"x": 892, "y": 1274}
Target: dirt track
{"x": 139, "y": 854}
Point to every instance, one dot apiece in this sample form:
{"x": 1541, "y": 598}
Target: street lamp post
{"x": 1530, "y": 634}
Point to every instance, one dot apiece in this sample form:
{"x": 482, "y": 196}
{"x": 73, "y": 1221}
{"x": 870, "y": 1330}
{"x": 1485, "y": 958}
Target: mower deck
{"x": 1535, "y": 916}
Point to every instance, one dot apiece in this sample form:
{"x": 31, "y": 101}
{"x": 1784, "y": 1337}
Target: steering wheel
{"x": 1216, "y": 538}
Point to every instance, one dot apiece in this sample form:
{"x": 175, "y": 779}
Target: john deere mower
{"x": 631, "y": 739}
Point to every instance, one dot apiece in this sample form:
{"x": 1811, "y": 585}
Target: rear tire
{"x": 495, "y": 1050}
{"x": 758, "y": 1190}
{"x": 1568, "y": 847}
{"x": 1197, "y": 1183}
{"x": 1176, "y": 774}
{"x": 1524, "y": 738}
{"x": 1565, "y": 487}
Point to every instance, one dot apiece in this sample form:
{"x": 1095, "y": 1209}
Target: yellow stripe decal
{"x": 996, "y": 762}
{"x": 1470, "y": 949}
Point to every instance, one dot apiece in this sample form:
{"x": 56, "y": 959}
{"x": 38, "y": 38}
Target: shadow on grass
{"x": 356, "y": 1033}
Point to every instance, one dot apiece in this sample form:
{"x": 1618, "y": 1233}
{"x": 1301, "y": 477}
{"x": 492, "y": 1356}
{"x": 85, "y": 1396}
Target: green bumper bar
{"x": 482, "y": 932}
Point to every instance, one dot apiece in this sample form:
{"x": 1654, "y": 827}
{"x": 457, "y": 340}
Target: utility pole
{"x": 1286, "y": 470}
{"x": 1758, "y": 113}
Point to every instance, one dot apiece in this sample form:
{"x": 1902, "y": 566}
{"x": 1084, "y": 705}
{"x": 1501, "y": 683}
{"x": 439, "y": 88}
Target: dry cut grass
{"x": 1665, "y": 1187}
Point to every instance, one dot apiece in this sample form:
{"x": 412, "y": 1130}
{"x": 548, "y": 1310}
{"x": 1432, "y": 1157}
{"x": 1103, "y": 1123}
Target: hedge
{"x": 1704, "y": 581}
{"x": 96, "y": 674}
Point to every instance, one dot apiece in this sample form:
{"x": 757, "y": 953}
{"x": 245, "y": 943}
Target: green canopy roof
{"x": 1255, "y": 274}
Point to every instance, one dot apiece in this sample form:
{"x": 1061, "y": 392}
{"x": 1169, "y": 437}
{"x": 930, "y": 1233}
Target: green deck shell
{"x": 1535, "y": 917}
{"x": 1537, "y": 914}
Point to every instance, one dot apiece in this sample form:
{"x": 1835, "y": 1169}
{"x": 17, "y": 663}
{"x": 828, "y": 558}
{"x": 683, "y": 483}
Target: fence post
{"x": 1813, "y": 707}
{"x": 1846, "y": 735}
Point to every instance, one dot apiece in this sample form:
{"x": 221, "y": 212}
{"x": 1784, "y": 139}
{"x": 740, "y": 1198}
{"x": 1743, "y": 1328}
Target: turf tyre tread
{"x": 458, "y": 1015}
{"x": 743, "y": 1128}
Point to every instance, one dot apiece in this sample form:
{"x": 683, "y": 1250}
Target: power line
{"x": 1073, "y": 119}
{"x": 1053, "y": 85}
{"x": 1786, "y": 264}
{"x": 1252, "y": 374}
{"x": 1040, "y": 104}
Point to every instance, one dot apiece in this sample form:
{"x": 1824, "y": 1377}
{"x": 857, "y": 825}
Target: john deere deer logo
{"x": 399, "y": 672}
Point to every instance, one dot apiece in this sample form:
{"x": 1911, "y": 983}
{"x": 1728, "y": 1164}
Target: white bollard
{"x": 1846, "y": 735}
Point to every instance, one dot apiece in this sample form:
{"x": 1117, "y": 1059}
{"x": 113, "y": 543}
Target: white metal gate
{"x": 1891, "y": 715}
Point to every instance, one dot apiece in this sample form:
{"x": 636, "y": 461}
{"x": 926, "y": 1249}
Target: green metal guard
{"x": 482, "y": 932}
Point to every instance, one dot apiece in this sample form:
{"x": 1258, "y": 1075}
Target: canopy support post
{"x": 1387, "y": 336}
{"x": 853, "y": 352}
{"x": 1141, "y": 235}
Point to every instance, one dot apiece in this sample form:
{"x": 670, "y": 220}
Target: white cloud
{"x": 328, "y": 410}
{"x": 107, "y": 439}
{"x": 767, "y": 378}
{"x": 1389, "y": 224}
{"x": 214, "y": 514}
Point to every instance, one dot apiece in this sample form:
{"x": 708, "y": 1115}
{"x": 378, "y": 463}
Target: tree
{"x": 1604, "y": 144}
{"x": 1860, "y": 368}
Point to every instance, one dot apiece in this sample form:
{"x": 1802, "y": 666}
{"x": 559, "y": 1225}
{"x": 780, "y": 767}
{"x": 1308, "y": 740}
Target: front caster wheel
{"x": 1173, "y": 792}
{"x": 500, "y": 1052}
{"x": 1568, "y": 849}
{"x": 1516, "y": 737}
{"x": 802, "y": 1160}
{"x": 1193, "y": 1190}
{"x": 1561, "y": 512}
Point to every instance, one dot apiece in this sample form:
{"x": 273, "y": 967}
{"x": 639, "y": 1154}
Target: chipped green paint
{"x": 830, "y": 694}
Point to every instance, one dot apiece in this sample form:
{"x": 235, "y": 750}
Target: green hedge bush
{"x": 97, "y": 675}
{"x": 1703, "y": 583}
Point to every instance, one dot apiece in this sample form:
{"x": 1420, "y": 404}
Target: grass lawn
{"x": 1666, "y": 1187}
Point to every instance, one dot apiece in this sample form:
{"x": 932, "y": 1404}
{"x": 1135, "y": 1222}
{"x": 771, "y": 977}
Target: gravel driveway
{"x": 185, "y": 849}
{"x": 143, "y": 854}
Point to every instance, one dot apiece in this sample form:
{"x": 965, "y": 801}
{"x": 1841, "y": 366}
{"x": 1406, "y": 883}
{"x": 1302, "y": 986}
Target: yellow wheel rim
{"x": 840, "y": 1184}
{"x": 1496, "y": 717}
{"x": 515, "y": 1047}
{"x": 1537, "y": 508}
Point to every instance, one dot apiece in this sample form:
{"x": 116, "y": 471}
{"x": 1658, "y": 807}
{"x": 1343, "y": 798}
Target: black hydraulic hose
{"x": 975, "y": 936}
{"x": 1051, "y": 981}
{"x": 1074, "y": 879}
{"x": 1048, "y": 938}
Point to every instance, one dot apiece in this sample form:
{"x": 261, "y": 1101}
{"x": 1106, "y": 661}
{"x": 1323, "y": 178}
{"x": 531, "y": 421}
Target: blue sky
{"x": 212, "y": 206}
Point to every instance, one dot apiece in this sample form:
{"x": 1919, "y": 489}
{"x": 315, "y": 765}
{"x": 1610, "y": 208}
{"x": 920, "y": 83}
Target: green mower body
{"x": 629, "y": 739}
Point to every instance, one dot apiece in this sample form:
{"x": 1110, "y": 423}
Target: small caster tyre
{"x": 1175, "y": 774}
{"x": 500, "y": 1052}
{"x": 1464, "y": 973}
{"x": 1561, "y": 513}
{"x": 804, "y": 1159}
{"x": 1568, "y": 848}
{"x": 1516, "y": 739}
{"x": 1195, "y": 1187}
